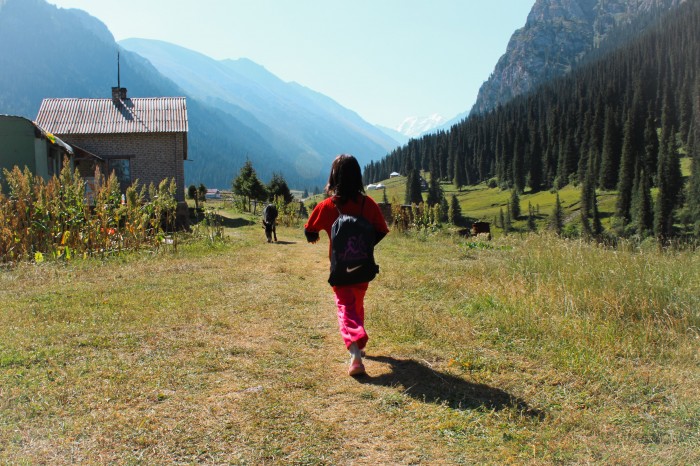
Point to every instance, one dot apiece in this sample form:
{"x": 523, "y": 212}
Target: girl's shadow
{"x": 428, "y": 385}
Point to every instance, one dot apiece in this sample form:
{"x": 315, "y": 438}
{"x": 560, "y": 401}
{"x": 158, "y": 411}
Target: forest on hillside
{"x": 618, "y": 123}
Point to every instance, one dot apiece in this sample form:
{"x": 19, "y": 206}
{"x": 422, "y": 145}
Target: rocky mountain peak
{"x": 557, "y": 35}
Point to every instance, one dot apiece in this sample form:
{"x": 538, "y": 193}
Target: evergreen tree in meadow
{"x": 444, "y": 209}
{"x": 610, "y": 157}
{"x": 535, "y": 158}
{"x": 642, "y": 205}
{"x": 501, "y": 219}
{"x": 454, "y": 212}
{"x": 588, "y": 200}
{"x": 507, "y": 222}
{"x": 669, "y": 184}
{"x": 519, "y": 162}
{"x": 651, "y": 147}
{"x": 278, "y": 189}
{"x": 694, "y": 152}
{"x": 248, "y": 185}
{"x": 413, "y": 188}
{"x": 556, "y": 219}
{"x": 694, "y": 191}
{"x": 531, "y": 224}
{"x": 567, "y": 161}
{"x": 632, "y": 151}
{"x": 515, "y": 203}
{"x": 459, "y": 178}
{"x": 434, "y": 190}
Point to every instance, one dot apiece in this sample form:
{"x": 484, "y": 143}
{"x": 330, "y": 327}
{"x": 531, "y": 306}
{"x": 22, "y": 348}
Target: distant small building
{"x": 213, "y": 194}
{"x": 394, "y": 174}
{"x": 25, "y": 144}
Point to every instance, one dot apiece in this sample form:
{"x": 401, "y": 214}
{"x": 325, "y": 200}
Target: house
{"x": 394, "y": 174}
{"x": 212, "y": 194}
{"x": 25, "y": 144}
{"x": 142, "y": 139}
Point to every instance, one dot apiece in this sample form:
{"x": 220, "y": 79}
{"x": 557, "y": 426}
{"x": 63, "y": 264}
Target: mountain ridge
{"x": 52, "y": 52}
{"x": 299, "y": 118}
{"x": 557, "y": 34}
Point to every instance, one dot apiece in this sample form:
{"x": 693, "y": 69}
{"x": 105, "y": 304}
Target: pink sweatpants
{"x": 351, "y": 313}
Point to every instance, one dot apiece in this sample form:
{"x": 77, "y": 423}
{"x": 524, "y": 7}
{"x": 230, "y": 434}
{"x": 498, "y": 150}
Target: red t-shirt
{"x": 325, "y": 213}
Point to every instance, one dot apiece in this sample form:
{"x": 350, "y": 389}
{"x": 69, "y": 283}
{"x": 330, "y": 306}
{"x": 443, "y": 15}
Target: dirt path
{"x": 293, "y": 332}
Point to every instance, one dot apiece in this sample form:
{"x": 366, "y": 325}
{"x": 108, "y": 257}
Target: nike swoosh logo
{"x": 351, "y": 270}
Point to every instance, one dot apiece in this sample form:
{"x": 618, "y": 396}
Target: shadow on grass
{"x": 225, "y": 222}
{"x": 428, "y": 385}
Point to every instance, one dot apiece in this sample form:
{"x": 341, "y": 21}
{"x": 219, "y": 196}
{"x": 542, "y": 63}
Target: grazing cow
{"x": 269, "y": 220}
{"x": 481, "y": 228}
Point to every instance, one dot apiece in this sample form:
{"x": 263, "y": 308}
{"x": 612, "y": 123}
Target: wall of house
{"x": 17, "y": 147}
{"x": 153, "y": 156}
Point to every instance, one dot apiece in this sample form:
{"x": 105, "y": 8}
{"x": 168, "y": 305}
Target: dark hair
{"x": 345, "y": 180}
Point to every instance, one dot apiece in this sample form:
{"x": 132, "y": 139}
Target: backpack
{"x": 352, "y": 250}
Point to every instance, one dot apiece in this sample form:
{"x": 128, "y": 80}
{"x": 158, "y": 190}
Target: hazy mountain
{"x": 558, "y": 34}
{"x": 47, "y": 51}
{"x": 394, "y": 134}
{"x": 296, "y": 120}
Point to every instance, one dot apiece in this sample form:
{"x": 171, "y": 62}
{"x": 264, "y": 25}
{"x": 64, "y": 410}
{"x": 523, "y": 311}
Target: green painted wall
{"x": 20, "y": 146}
{"x": 17, "y": 143}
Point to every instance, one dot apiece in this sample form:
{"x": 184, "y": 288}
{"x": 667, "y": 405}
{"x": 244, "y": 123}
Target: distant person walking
{"x": 355, "y": 224}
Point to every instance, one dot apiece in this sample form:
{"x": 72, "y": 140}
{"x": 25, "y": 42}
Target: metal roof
{"x": 108, "y": 116}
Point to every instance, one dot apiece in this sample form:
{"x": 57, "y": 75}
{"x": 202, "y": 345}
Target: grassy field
{"x": 529, "y": 350}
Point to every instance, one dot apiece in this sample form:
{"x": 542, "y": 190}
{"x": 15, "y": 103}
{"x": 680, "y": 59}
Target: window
{"x": 54, "y": 162}
{"x": 122, "y": 170}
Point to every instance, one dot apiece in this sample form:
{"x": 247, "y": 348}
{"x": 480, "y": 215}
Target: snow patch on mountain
{"x": 417, "y": 126}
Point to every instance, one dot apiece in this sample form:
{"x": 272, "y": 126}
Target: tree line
{"x": 619, "y": 123}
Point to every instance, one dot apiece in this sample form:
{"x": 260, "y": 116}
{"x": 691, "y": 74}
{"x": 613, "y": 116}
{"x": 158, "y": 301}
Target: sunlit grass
{"x": 532, "y": 350}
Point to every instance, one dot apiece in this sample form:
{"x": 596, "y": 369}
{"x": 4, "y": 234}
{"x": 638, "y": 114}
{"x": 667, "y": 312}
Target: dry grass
{"x": 535, "y": 351}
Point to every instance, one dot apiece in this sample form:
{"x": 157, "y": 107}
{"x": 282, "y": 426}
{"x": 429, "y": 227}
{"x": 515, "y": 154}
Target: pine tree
{"x": 278, "y": 189}
{"x": 507, "y": 222}
{"x": 642, "y": 206}
{"x": 694, "y": 152}
{"x": 556, "y": 219}
{"x": 248, "y": 185}
{"x": 633, "y": 150}
{"x": 502, "y": 219}
{"x": 444, "y": 209}
{"x": 454, "y": 212}
{"x": 531, "y": 224}
{"x": 515, "y": 203}
{"x": 651, "y": 147}
{"x": 669, "y": 180}
{"x": 535, "y": 161}
{"x": 626, "y": 175}
{"x": 610, "y": 161}
{"x": 587, "y": 202}
{"x": 413, "y": 188}
{"x": 434, "y": 190}
{"x": 459, "y": 175}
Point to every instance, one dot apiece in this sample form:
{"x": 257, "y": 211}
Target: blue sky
{"x": 384, "y": 59}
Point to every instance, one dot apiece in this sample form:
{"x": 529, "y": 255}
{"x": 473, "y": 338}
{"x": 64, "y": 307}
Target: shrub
{"x": 56, "y": 219}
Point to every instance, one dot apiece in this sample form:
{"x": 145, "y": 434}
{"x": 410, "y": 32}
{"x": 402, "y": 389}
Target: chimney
{"x": 119, "y": 92}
